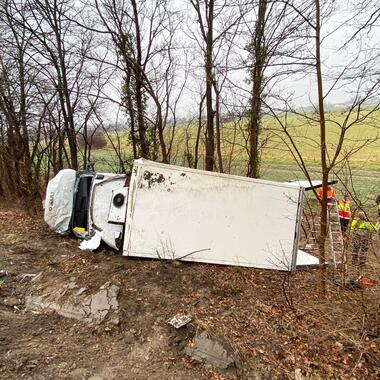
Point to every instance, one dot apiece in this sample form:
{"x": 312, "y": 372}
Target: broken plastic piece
{"x": 365, "y": 281}
{"x": 179, "y": 320}
{"x": 91, "y": 244}
{"x": 80, "y": 232}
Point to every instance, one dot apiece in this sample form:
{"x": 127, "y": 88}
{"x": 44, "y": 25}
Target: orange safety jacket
{"x": 344, "y": 209}
{"x": 330, "y": 194}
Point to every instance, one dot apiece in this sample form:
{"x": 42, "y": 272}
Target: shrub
{"x": 95, "y": 138}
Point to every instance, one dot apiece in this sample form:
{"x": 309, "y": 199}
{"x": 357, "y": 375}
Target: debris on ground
{"x": 358, "y": 283}
{"x": 27, "y": 276}
{"x": 11, "y": 301}
{"x": 366, "y": 281}
{"x": 179, "y": 320}
{"x": 210, "y": 351}
{"x": 3, "y": 273}
{"x": 91, "y": 244}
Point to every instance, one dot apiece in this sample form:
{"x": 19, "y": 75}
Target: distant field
{"x": 277, "y": 161}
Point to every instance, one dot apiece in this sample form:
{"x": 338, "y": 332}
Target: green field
{"x": 362, "y": 144}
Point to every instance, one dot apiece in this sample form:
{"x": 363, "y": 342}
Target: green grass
{"x": 14, "y": 238}
{"x": 364, "y": 134}
{"x": 3, "y": 285}
{"x": 277, "y": 161}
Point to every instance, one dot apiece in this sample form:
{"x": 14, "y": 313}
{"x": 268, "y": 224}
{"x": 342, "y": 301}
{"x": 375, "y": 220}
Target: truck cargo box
{"x": 186, "y": 214}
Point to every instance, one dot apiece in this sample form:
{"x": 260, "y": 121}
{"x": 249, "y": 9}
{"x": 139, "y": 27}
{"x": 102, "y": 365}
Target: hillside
{"x": 255, "y": 324}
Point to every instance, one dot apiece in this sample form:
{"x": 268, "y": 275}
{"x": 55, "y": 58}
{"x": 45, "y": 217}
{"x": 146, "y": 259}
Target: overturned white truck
{"x": 176, "y": 213}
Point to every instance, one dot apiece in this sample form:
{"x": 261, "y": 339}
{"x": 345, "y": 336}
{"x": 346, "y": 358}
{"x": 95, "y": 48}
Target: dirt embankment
{"x": 67, "y": 314}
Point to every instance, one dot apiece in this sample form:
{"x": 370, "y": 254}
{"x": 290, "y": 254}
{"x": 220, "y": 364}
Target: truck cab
{"x": 85, "y": 203}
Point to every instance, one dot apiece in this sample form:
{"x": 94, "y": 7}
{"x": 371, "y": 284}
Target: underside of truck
{"x": 81, "y": 201}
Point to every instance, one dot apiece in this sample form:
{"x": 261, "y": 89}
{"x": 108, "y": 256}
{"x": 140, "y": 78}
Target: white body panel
{"x": 101, "y": 199}
{"x": 58, "y": 206}
{"x": 305, "y": 259}
{"x": 307, "y": 185}
{"x": 181, "y": 213}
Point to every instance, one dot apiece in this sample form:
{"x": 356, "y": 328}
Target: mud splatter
{"x": 153, "y": 178}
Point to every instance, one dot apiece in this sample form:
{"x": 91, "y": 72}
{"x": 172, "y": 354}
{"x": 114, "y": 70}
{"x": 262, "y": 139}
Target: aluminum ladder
{"x": 334, "y": 235}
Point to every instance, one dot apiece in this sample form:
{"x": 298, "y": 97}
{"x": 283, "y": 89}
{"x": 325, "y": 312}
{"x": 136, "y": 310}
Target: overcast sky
{"x": 335, "y": 32}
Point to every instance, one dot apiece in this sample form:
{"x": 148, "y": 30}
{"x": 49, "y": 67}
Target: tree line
{"x": 140, "y": 68}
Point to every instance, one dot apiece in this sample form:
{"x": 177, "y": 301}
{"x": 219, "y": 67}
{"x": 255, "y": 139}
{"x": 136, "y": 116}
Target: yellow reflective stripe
{"x": 366, "y": 226}
{"x": 345, "y": 207}
{"x": 363, "y": 226}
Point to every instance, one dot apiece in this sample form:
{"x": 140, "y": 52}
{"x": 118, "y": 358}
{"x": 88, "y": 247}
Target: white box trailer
{"x": 186, "y": 214}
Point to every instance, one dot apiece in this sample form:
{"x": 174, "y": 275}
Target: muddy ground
{"x": 68, "y": 314}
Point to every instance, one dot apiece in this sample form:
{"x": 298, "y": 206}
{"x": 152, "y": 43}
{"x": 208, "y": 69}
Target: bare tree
{"x": 365, "y": 89}
{"x": 270, "y": 31}
{"x": 54, "y": 43}
{"x": 205, "y": 18}
{"x": 143, "y": 36}
{"x": 15, "y": 88}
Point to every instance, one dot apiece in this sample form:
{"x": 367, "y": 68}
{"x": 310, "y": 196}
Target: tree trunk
{"x": 67, "y": 110}
{"x": 139, "y": 86}
{"x": 210, "y": 140}
{"x": 160, "y": 128}
{"x": 324, "y": 168}
{"x": 259, "y": 59}
{"x": 217, "y": 129}
{"x": 26, "y": 158}
{"x": 199, "y": 129}
{"x": 131, "y": 111}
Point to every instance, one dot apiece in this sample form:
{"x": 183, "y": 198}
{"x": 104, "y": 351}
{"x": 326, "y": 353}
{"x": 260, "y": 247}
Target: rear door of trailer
{"x": 186, "y": 214}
